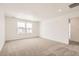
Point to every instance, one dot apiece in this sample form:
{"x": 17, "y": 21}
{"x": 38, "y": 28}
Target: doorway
{"x": 74, "y": 30}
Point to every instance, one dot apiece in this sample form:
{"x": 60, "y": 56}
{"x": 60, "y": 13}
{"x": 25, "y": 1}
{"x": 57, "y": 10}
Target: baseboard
{"x": 55, "y": 40}
{"x": 2, "y": 46}
{"x": 22, "y": 38}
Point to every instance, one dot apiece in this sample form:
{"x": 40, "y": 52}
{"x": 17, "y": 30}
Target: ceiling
{"x": 36, "y": 11}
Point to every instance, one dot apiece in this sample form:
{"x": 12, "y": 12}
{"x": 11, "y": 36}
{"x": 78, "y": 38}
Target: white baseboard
{"x": 2, "y": 45}
{"x": 22, "y": 38}
{"x": 64, "y": 42}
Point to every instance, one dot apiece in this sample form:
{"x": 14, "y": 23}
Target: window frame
{"x": 30, "y": 28}
{"x": 25, "y": 30}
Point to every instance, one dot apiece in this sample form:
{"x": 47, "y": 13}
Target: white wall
{"x": 2, "y": 30}
{"x": 57, "y": 29}
{"x": 11, "y": 29}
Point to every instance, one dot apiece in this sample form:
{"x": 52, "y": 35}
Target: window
{"x": 29, "y": 27}
{"x": 21, "y": 27}
{"x": 24, "y": 27}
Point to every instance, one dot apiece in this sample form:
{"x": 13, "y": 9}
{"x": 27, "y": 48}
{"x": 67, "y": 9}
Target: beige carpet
{"x": 38, "y": 47}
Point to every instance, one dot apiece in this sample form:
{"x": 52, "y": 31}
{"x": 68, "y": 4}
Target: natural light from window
{"x": 24, "y": 27}
{"x": 29, "y": 27}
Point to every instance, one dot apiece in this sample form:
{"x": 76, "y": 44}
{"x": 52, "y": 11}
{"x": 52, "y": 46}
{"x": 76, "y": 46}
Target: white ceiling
{"x": 36, "y": 11}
